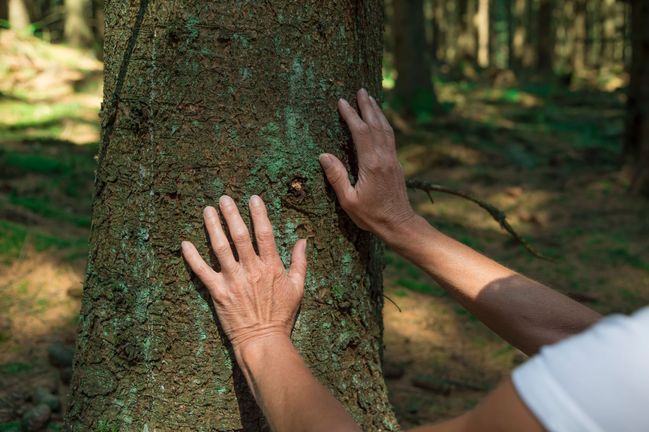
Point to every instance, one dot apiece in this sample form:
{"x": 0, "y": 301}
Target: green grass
{"x": 14, "y": 238}
{"x": 14, "y": 368}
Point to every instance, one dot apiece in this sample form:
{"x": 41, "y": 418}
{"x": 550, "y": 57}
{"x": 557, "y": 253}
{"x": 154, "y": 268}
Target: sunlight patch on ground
{"x": 39, "y": 304}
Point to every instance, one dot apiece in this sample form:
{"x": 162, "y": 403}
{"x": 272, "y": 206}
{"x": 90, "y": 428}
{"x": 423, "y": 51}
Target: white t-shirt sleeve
{"x": 596, "y": 381}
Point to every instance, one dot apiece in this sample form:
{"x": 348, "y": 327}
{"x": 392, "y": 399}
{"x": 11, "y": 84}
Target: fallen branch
{"x": 497, "y": 214}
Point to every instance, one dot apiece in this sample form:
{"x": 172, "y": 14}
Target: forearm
{"x": 288, "y": 394}
{"x": 524, "y": 312}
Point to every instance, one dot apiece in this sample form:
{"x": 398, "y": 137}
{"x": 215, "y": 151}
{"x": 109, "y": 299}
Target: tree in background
{"x": 19, "y": 16}
{"x": 637, "y": 127}
{"x": 413, "y": 89}
{"x": 482, "y": 22}
{"x": 77, "y": 29}
{"x": 546, "y": 36}
{"x": 203, "y": 99}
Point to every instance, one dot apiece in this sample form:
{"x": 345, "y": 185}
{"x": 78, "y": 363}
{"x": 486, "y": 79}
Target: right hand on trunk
{"x": 254, "y": 297}
{"x": 378, "y": 202}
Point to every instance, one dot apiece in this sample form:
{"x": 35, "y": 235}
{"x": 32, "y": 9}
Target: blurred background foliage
{"x": 538, "y": 106}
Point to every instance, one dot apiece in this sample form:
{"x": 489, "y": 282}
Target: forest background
{"x": 539, "y": 107}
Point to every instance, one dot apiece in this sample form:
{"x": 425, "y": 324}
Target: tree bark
{"x": 413, "y": 88}
{"x": 203, "y": 99}
{"x": 637, "y": 127}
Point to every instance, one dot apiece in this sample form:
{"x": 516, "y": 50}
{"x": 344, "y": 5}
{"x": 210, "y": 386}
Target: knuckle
{"x": 388, "y": 131}
{"x": 362, "y": 129}
{"x": 347, "y": 202}
{"x": 240, "y": 235}
{"x": 373, "y": 163}
{"x": 221, "y": 249}
{"x": 264, "y": 234}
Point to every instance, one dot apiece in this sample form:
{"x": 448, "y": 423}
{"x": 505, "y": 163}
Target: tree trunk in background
{"x": 545, "y": 39}
{"x": 579, "y": 30}
{"x": 467, "y": 48}
{"x": 498, "y": 34}
{"x": 519, "y": 35}
{"x": 4, "y": 10}
{"x": 637, "y": 128}
{"x": 482, "y": 22}
{"x": 413, "y": 89}
{"x": 19, "y": 16}
{"x": 77, "y": 30}
{"x": 203, "y": 99}
{"x": 511, "y": 25}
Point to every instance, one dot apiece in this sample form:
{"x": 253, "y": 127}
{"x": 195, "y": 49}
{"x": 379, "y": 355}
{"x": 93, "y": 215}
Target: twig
{"x": 497, "y": 214}
{"x": 393, "y": 302}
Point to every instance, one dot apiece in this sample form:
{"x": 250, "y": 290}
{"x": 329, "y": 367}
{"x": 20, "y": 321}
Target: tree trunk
{"x": 579, "y": 55}
{"x": 637, "y": 127}
{"x": 203, "y": 99}
{"x": 4, "y": 10}
{"x": 19, "y": 16}
{"x": 467, "y": 38}
{"x": 545, "y": 47}
{"x": 413, "y": 89}
{"x": 77, "y": 29}
{"x": 482, "y": 22}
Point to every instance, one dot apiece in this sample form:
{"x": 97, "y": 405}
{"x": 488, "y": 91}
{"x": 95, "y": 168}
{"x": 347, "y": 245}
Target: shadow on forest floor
{"x": 548, "y": 156}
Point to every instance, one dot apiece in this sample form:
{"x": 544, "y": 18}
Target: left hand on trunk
{"x": 254, "y": 297}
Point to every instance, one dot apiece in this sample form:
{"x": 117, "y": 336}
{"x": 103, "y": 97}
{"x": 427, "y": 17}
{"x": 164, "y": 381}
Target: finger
{"x": 263, "y": 229}
{"x": 238, "y": 230}
{"x": 367, "y": 110}
{"x": 338, "y": 178}
{"x": 359, "y": 129}
{"x": 218, "y": 240}
{"x": 200, "y": 268}
{"x": 385, "y": 124}
{"x": 297, "y": 271}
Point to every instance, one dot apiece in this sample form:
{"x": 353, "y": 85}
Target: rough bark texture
{"x": 637, "y": 127}
{"x": 203, "y": 99}
{"x": 413, "y": 87}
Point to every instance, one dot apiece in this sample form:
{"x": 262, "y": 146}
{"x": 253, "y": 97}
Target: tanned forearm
{"x": 290, "y": 397}
{"x": 526, "y": 313}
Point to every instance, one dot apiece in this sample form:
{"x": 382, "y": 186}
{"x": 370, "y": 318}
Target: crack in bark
{"x": 113, "y": 103}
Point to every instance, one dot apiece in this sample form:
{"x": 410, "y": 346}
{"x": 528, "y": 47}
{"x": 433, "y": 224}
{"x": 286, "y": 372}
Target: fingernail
{"x": 226, "y": 201}
{"x": 184, "y": 245}
{"x": 343, "y": 101}
{"x": 255, "y": 200}
{"x": 364, "y": 92}
{"x": 373, "y": 100}
{"x": 325, "y": 160}
{"x": 207, "y": 211}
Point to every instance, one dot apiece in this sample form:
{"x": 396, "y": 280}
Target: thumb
{"x": 297, "y": 271}
{"x": 337, "y": 176}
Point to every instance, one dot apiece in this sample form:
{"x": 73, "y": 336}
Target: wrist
{"x": 400, "y": 235}
{"x": 250, "y": 352}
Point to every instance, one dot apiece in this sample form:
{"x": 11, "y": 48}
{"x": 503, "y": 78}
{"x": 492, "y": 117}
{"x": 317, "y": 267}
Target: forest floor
{"x": 549, "y": 156}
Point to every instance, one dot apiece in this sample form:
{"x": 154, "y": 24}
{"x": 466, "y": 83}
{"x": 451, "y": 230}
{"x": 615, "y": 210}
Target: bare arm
{"x": 524, "y": 312}
{"x": 256, "y": 301}
{"x": 501, "y": 411}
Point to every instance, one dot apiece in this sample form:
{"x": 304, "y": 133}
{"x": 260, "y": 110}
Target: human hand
{"x": 378, "y": 202}
{"x": 254, "y": 297}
